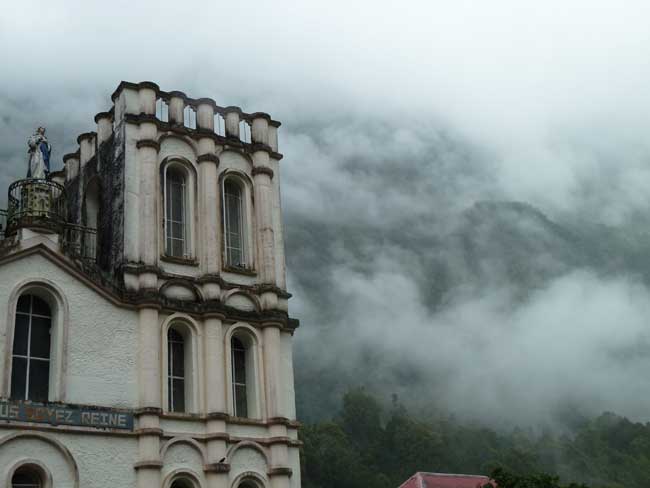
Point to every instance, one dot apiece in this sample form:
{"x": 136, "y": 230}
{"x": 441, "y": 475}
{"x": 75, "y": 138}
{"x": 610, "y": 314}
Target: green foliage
{"x": 365, "y": 445}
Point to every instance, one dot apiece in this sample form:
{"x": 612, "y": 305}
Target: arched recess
{"x": 250, "y": 444}
{"x": 245, "y": 392}
{"x": 242, "y": 300}
{"x": 181, "y": 289}
{"x": 238, "y": 245}
{"x": 184, "y": 440}
{"x": 65, "y": 453}
{"x": 49, "y": 292}
{"x": 192, "y": 337}
{"x": 91, "y": 217}
{"x": 178, "y": 203}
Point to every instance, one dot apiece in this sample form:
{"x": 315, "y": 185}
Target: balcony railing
{"x": 3, "y": 223}
{"x": 80, "y": 242}
{"x": 37, "y": 204}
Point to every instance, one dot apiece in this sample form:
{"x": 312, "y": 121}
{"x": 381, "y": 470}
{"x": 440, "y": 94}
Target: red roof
{"x": 440, "y": 480}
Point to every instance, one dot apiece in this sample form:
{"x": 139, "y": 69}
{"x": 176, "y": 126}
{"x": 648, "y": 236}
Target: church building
{"x": 145, "y": 339}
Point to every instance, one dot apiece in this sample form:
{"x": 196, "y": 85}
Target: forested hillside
{"x": 366, "y": 445}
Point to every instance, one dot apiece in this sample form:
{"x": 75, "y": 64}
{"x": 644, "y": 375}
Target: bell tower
{"x": 161, "y": 262}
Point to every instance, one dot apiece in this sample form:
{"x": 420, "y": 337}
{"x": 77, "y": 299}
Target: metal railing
{"x": 80, "y": 242}
{"x": 35, "y": 203}
{"x": 3, "y": 223}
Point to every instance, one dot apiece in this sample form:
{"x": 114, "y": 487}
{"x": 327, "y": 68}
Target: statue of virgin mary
{"x": 39, "y": 155}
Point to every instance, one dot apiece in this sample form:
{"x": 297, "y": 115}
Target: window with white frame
{"x": 234, "y": 223}
{"x": 189, "y": 117}
{"x": 175, "y": 371}
{"x": 30, "y": 365}
{"x": 162, "y": 110}
{"x": 176, "y": 212}
{"x": 24, "y": 477}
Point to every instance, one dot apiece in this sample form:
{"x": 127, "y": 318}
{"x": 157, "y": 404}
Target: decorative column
{"x": 176, "y": 107}
{"x": 71, "y": 162}
{"x": 215, "y": 399}
{"x": 262, "y": 175}
{"x": 232, "y": 117}
{"x": 149, "y": 464}
{"x": 208, "y": 190}
{"x": 86, "y": 143}
{"x": 104, "y": 121}
{"x": 147, "y": 93}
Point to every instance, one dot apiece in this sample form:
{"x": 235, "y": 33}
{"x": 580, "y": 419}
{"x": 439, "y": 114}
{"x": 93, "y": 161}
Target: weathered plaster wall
{"x": 102, "y": 339}
{"x": 97, "y": 461}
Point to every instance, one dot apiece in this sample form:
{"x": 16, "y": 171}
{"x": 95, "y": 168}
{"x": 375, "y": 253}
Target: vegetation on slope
{"x": 364, "y": 445}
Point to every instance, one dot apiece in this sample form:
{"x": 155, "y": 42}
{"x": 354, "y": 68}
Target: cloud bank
{"x": 399, "y": 125}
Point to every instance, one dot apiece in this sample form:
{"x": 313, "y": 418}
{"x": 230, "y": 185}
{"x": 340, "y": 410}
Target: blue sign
{"x": 58, "y": 414}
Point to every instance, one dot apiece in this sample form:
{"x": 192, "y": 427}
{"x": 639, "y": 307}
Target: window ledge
{"x": 242, "y": 271}
{"x": 177, "y": 260}
{"x": 181, "y": 415}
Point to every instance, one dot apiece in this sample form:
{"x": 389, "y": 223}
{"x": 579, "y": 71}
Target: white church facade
{"x": 145, "y": 339}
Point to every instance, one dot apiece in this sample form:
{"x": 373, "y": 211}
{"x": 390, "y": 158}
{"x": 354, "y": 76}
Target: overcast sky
{"x": 397, "y": 117}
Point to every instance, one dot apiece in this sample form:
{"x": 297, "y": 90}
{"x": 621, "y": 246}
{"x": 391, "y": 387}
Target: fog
{"x": 396, "y": 122}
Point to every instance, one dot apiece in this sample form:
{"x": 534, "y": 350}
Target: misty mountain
{"x": 490, "y": 245}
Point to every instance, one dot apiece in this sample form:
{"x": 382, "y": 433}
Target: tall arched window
{"x": 175, "y": 371}
{"x": 234, "y": 223}
{"x": 239, "y": 378}
{"x": 26, "y": 478}
{"x": 30, "y": 367}
{"x": 176, "y": 213}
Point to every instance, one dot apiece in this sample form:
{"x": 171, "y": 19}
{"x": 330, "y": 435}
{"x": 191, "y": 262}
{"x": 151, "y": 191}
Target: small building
{"x": 443, "y": 480}
{"x": 144, "y": 329}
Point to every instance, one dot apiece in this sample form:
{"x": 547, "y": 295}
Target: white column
{"x": 215, "y": 388}
{"x": 260, "y": 128}
{"x": 176, "y": 107}
{"x": 263, "y": 215}
{"x": 273, "y": 373}
{"x": 86, "y": 147}
{"x": 104, "y": 121}
{"x": 232, "y": 122}
{"x": 149, "y": 184}
{"x": 147, "y": 92}
{"x": 149, "y": 387}
{"x": 205, "y": 114}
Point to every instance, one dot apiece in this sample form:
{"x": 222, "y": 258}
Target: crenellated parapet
{"x": 195, "y": 117}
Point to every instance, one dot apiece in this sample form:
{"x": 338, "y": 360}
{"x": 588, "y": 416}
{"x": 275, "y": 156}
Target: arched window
{"x": 176, "y": 212}
{"x": 243, "y": 375}
{"x": 26, "y": 478}
{"x": 30, "y": 367}
{"x": 234, "y": 223}
{"x": 175, "y": 371}
{"x": 239, "y": 383}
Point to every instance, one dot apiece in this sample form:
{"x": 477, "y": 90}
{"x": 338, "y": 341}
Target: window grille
{"x": 175, "y": 371}
{"x": 239, "y": 387}
{"x": 175, "y": 213}
{"x": 233, "y": 218}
